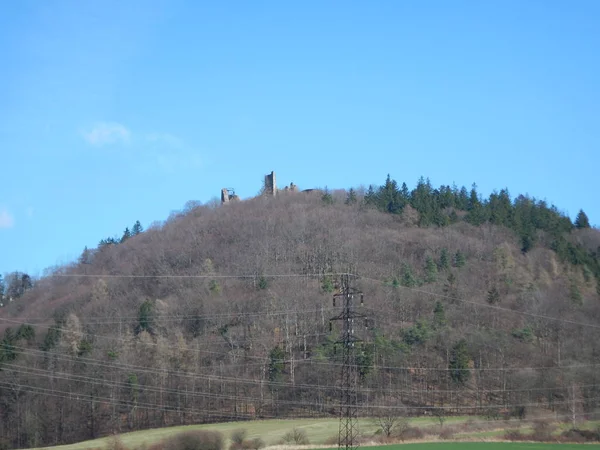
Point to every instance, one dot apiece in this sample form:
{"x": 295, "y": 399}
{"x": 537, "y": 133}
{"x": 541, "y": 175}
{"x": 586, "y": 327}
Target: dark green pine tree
{"x": 327, "y": 198}
{"x": 450, "y": 287}
{"x": 146, "y": 317}
{"x": 137, "y": 228}
{"x": 25, "y": 332}
{"x": 446, "y": 197}
{"x": 493, "y": 296}
{"x": 1, "y": 287}
{"x": 126, "y": 235}
{"x": 582, "y": 221}
{"x": 459, "y": 259}
{"x": 276, "y": 364}
{"x": 444, "y": 263}
{"x": 26, "y": 282}
{"x": 86, "y": 256}
{"x": 108, "y": 241}
{"x": 389, "y": 197}
{"x": 422, "y": 199}
{"x": 527, "y": 242}
{"x": 462, "y": 199}
{"x": 473, "y": 198}
{"x": 351, "y": 197}
{"x": 7, "y": 346}
{"x": 404, "y": 194}
{"x": 477, "y": 214}
{"x": 575, "y": 293}
{"x": 500, "y": 208}
{"x": 408, "y": 279}
{"x": 523, "y": 221}
{"x": 430, "y": 270}
{"x": 371, "y": 196}
{"x": 263, "y": 283}
{"x": 459, "y": 362}
{"x": 439, "y": 315}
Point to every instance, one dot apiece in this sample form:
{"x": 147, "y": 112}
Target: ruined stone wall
{"x": 224, "y": 196}
{"x": 227, "y": 197}
{"x": 270, "y": 185}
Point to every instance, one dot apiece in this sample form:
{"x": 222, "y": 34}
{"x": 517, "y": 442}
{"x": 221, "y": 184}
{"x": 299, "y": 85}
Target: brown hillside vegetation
{"x": 187, "y": 322}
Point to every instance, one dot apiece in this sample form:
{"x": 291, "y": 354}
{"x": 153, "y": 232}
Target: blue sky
{"x": 113, "y": 111}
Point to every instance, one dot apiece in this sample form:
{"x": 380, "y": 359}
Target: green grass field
{"x": 271, "y": 431}
{"x": 321, "y": 430}
{"x": 483, "y": 445}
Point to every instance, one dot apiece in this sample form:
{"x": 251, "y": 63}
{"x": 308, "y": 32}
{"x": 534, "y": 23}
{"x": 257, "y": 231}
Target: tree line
{"x": 533, "y": 221}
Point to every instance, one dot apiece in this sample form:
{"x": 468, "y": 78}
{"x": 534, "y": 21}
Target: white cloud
{"x": 107, "y": 133}
{"x": 172, "y": 154}
{"x": 6, "y": 219}
{"x": 162, "y": 152}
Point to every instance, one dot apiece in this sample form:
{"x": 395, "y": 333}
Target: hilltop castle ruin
{"x": 269, "y": 189}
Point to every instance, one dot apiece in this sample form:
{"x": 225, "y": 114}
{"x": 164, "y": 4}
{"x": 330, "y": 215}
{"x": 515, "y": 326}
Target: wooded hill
{"x": 475, "y": 306}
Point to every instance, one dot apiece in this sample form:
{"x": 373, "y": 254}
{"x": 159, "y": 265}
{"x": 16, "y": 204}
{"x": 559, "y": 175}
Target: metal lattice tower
{"x": 348, "y": 430}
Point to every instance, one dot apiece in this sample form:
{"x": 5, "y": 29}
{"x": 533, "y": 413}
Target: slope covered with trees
{"x": 475, "y": 306}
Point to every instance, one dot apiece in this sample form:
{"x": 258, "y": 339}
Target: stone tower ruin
{"x": 228, "y": 195}
{"x": 270, "y": 185}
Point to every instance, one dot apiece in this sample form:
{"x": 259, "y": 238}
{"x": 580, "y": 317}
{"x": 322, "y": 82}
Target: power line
{"x": 292, "y": 402}
{"x": 289, "y": 385}
{"x": 239, "y": 276}
{"x": 497, "y": 308}
{"x": 252, "y": 276}
{"x": 316, "y": 362}
{"x": 167, "y": 317}
{"x": 148, "y": 388}
{"x": 114, "y": 338}
{"x": 151, "y": 406}
{"x": 111, "y": 401}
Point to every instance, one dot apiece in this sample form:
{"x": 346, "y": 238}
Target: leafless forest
{"x": 222, "y": 313}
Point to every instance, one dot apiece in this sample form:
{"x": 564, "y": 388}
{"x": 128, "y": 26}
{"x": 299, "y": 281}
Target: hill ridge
{"x": 174, "y": 348}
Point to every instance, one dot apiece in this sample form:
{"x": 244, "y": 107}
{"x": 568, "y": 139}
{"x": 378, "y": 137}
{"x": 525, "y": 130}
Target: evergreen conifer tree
{"x": 351, "y": 197}
{"x": 146, "y": 317}
{"x": 408, "y": 280}
{"x": 444, "y": 260}
{"x": 450, "y": 289}
{"x": 26, "y": 282}
{"x": 582, "y": 221}
{"x": 404, "y": 194}
{"x": 371, "y": 196}
{"x": 493, "y": 296}
{"x": 439, "y": 315}
{"x": 459, "y": 362}
{"x": 389, "y": 197}
{"x": 126, "y": 234}
{"x": 137, "y": 228}
{"x": 473, "y": 198}
{"x": 86, "y": 256}
{"x": 430, "y": 270}
{"x": 462, "y": 199}
{"x": 575, "y": 294}
{"x": 327, "y": 198}
{"x": 459, "y": 259}
{"x": 276, "y": 364}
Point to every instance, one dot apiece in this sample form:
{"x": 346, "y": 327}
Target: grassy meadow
{"x": 322, "y": 433}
